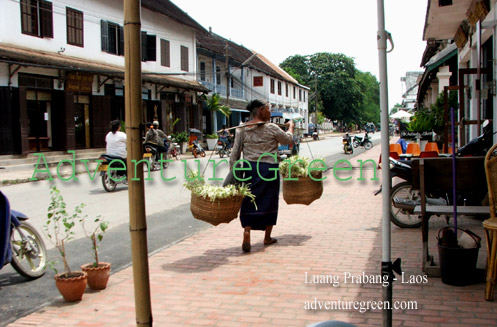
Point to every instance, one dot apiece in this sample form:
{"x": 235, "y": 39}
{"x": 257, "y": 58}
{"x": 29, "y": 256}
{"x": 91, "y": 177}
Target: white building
{"x": 62, "y": 70}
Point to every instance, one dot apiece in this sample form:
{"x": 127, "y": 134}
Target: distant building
{"x": 410, "y": 89}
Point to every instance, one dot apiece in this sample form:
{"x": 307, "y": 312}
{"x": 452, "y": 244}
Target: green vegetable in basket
{"x": 297, "y": 166}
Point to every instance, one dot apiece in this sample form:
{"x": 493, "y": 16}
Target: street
{"x": 168, "y": 218}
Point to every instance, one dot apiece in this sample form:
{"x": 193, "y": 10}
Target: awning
{"x": 276, "y": 114}
{"x": 441, "y": 57}
{"x": 239, "y": 110}
{"x": 292, "y": 115}
{"x": 49, "y": 60}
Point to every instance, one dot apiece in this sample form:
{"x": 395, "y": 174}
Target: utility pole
{"x": 226, "y": 66}
{"x": 136, "y": 188}
{"x": 316, "y": 102}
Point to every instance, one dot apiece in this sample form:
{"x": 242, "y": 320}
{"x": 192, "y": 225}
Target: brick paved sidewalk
{"x": 206, "y": 280}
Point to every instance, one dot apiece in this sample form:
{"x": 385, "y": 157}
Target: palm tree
{"x": 214, "y": 106}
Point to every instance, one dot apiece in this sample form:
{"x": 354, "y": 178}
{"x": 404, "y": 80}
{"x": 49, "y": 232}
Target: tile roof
{"x": 169, "y": 9}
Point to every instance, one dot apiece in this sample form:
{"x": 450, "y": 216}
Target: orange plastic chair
{"x": 396, "y": 148}
{"x": 444, "y": 151}
{"x": 428, "y": 154}
{"x": 431, "y": 146}
{"x": 414, "y": 149}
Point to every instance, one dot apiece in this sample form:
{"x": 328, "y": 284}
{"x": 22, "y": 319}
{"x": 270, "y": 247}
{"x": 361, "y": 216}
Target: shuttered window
{"x": 74, "y": 20}
{"x": 37, "y": 18}
{"x": 148, "y": 47}
{"x": 112, "y": 38}
{"x": 258, "y": 81}
{"x": 184, "y": 58}
{"x": 165, "y": 53}
{"x": 271, "y": 86}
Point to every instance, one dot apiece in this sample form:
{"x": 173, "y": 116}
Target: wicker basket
{"x": 215, "y": 212}
{"x": 302, "y": 191}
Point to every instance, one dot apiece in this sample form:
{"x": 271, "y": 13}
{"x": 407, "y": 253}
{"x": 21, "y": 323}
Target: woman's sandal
{"x": 246, "y": 247}
{"x": 272, "y": 241}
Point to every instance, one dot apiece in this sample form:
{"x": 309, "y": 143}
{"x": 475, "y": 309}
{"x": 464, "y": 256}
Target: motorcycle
{"x": 347, "y": 144}
{"x": 196, "y": 149}
{"x": 404, "y": 199}
{"x": 223, "y": 148}
{"x": 150, "y": 152}
{"x": 362, "y": 141}
{"x": 21, "y": 245}
{"x": 117, "y": 175}
{"x": 315, "y": 135}
{"x": 173, "y": 150}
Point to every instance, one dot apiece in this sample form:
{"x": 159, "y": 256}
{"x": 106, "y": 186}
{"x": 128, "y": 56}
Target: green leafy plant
{"x": 181, "y": 137}
{"x": 211, "y": 136}
{"x": 96, "y": 235}
{"x": 196, "y": 184}
{"x": 298, "y": 166}
{"x": 214, "y": 105}
{"x": 59, "y": 226}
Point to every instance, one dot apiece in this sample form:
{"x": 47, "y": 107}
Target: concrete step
{"x": 50, "y": 157}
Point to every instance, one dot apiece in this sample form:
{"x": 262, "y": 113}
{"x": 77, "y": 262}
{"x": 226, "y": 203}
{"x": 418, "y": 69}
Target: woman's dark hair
{"x": 115, "y": 125}
{"x": 255, "y": 104}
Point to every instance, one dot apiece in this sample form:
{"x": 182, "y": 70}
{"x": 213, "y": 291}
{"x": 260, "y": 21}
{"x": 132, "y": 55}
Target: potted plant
{"x": 181, "y": 139}
{"x": 59, "y": 229}
{"x": 211, "y": 141}
{"x": 98, "y": 272}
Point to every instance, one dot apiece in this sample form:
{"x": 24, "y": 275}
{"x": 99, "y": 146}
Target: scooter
{"x": 404, "y": 199}
{"x": 315, "y": 135}
{"x": 222, "y": 148}
{"x": 21, "y": 245}
{"x": 347, "y": 144}
{"x": 196, "y": 149}
{"x": 117, "y": 175}
{"x": 150, "y": 152}
{"x": 362, "y": 141}
{"x": 173, "y": 149}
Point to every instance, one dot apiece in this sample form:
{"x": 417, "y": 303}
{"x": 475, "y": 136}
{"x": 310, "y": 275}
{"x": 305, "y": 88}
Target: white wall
{"x": 93, "y": 12}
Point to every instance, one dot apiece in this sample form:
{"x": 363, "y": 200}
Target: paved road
{"x": 168, "y": 218}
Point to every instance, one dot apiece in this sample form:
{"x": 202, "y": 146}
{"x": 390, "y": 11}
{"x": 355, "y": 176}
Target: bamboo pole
{"x": 136, "y": 190}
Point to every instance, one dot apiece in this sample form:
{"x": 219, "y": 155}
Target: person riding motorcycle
{"x": 153, "y": 138}
{"x": 224, "y": 136}
{"x": 161, "y": 134}
{"x": 116, "y": 141}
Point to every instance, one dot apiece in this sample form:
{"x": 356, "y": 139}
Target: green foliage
{"x": 96, "y": 235}
{"x": 343, "y": 92}
{"x": 214, "y": 105}
{"x": 297, "y": 166}
{"x": 211, "y": 136}
{"x": 180, "y": 137}
{"x": 59, "y": 225}
{"x": 432, "y": 119}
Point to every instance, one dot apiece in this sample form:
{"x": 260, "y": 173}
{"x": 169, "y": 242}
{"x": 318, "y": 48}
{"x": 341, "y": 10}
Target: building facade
{"x": 62, "y": 72}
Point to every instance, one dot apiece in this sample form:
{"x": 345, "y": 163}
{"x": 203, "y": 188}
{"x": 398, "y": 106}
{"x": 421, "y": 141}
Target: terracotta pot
{"x": 97, "y": 276}
{"x": 71, "y": 286}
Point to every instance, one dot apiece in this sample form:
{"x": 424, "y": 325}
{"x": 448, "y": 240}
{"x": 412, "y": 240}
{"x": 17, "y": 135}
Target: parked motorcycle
{"x": 347, "y": 144}
{"x": 315, "y": 135}
{"x": 173, "y": 150}
{"x": 196, "y": 149}
{"x": 110, "y": 178}
{"x": 404, "y": 199}
{"x": 480, "y": 145}
{"x": 362, "y": 141}
{"x": 21, "y": 245}
{"x": 223, "y": 148}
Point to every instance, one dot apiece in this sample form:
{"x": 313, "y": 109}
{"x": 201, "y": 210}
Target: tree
{"x": 344, "y": 93}
{"x": 395, "y": 108}
{"x": 214, "y": 106}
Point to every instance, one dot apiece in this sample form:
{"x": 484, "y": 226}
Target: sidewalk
{"x": 206, "y": 280}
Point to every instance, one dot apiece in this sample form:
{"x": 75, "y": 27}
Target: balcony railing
{"x": 221, "y": 89}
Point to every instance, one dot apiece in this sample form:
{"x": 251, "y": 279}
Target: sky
{"x": 279, "y": 29}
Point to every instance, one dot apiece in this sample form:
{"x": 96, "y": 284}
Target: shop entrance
{"x": 39, "y": 120}
{"x": 82, "y": 121}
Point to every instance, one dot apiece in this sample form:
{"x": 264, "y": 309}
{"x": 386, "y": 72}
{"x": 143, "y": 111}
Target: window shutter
{"x": 164, "y": 53}
{"x": 143, "y": 41}
{"x": 184, "y": 58}
{"x": 151, "y": 48}
{"x": 105, "y": 35}
{"x": 46, "y": 19}
{"x": 121, "y": 41}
